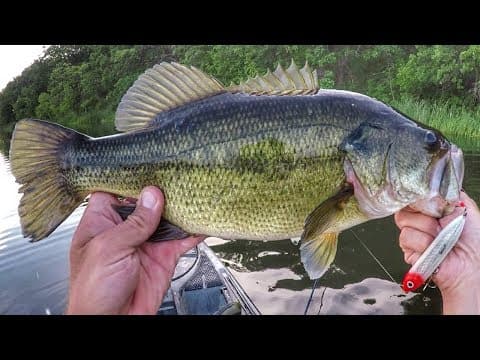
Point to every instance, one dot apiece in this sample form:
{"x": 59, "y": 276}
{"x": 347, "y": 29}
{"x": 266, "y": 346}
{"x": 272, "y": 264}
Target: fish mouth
{"x": 445, "y": 185}
{"x": 446, "y": 178}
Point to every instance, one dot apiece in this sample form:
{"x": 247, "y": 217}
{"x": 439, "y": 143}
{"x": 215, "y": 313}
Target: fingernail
{"x": 148, "y": 200}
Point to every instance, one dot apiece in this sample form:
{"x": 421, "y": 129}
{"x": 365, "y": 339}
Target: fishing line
{"x": 325, "y": 288}
{"x": 311, "y": 296}
{"x": 321, "y": 300}
{"x": 374, "y": 257}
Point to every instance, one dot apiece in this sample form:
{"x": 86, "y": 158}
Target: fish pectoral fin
{"x": 318, "y": 253}
{"x": 163, "y": 87}
{"x": 293, "y": 81}
{"x": 165, "y": 231}
{"x": 326, "y": 213}
{"x": 318, "y": 244}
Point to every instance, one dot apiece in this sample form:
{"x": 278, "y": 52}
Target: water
{"x": 34, "y": 276}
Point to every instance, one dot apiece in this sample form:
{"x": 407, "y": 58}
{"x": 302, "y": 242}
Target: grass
{"x": 458, "y": 124}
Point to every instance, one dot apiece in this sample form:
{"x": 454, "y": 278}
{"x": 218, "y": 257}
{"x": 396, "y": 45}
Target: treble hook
{"x": 429, "y": 283}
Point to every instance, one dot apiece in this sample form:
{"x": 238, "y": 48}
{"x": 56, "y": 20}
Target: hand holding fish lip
{"x": 113, "y": 269}
{"x": 458, "y": 276}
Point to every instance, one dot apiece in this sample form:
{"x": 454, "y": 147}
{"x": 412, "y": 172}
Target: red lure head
{"x": 412, "y": 281}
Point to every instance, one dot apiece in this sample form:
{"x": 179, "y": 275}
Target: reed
{"x": 455, "y": 122}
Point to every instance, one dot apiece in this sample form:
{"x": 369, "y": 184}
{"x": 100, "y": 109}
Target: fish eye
{"x": 430, "y": 138}
{"x": 410, "y": 284}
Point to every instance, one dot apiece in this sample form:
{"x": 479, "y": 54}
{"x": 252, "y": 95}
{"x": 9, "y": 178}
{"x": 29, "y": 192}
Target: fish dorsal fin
{"x": 163, "y": 87}
{"x": 293, "y": 81}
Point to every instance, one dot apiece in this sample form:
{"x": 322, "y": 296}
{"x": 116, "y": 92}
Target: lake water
{"x": 34, "y": 276}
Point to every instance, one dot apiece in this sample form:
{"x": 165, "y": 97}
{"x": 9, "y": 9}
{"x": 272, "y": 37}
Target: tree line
{"x": 81, "y": 85}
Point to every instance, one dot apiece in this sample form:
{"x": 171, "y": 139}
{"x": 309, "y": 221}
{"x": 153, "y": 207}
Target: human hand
{"x": 113, "y": 270}
{"x": 458, "y": 277}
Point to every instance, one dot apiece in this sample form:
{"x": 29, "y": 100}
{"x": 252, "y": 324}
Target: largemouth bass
{"x": 272, "y": 158}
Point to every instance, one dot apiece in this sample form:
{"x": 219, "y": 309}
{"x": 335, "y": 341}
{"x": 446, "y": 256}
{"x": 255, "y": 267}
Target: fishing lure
{"x": 429, "y": 261}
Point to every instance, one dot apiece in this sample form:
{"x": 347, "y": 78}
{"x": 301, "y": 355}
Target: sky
{"x": 15, "y": 58}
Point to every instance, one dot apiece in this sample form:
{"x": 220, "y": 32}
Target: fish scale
{"x": 205, "y": 190}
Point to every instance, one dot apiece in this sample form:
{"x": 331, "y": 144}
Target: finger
{"x": 470, "y": 205}
{"x": 182, "y": 246}
{"x": 418, "y": 221}
{"x": 411, "y": 257}
{"x": 99, "y": 201}
{"x": 142, "y": 223}
{"x": 414, "y": 240}
{"x": 93, "y": 222}
{"x": 100, "y": 206}
{"x": 469, "y": 202}
{"x": 410, "y": 209}
{"x": 130, "y": 200}
{"x": 173, "y": 249}
{"x": 168, "y": 252}
{"x": 447, "y": 219}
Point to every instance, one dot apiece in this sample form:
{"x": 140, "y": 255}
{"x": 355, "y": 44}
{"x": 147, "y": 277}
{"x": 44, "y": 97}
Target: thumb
{"x": 471, "y": 204}
{"x": 144, "y": 220}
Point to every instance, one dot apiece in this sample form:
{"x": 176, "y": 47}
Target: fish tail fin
{"x": 36, "y": 152}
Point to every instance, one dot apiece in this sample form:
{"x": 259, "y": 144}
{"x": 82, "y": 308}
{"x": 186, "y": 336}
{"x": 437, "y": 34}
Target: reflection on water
{"x": 273, "y": 276}
{"x": 34, "y": 277}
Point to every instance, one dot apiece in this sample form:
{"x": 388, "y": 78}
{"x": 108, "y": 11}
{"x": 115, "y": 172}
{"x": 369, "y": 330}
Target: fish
{"x": 271, "y": 158}
{"x": 436, "y": 252}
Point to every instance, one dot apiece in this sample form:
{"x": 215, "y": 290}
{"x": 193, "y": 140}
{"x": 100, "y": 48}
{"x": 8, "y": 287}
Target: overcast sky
{"x": 15, "y": 58}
